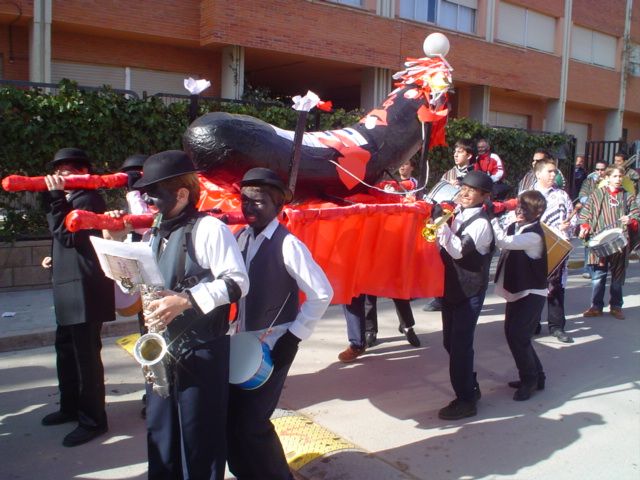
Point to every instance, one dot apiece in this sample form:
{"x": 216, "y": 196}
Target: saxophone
{"x": 150, "y": 350}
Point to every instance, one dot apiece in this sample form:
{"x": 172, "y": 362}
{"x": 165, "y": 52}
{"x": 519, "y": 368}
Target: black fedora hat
{"x": 164, "y": 165}
{"x": 133, "y": 162}
{"x": 479, "y": 180}
{"x": 70, "y": 154}
{"x": 264, "y": 176}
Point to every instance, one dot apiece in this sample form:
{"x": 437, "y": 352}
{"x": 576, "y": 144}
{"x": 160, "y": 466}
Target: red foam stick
{"x": 84, "y": 220}
{"x": 17, "y": 183}
{"x": 506, "y": 206}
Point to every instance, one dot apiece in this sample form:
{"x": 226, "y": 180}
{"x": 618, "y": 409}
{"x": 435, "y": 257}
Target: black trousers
{"x": 555, "y": 301}
{"x": 186, "y": 432}
{"x": 255, "y": 451}
{"x": 459, "y": 322}
{"x": 80, "y": 372}
{"x": 521, "y": 320}
{"x": 403, "y": 309}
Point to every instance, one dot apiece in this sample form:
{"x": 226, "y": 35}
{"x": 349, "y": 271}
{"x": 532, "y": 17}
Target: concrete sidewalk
{"x": 375, "y": 418}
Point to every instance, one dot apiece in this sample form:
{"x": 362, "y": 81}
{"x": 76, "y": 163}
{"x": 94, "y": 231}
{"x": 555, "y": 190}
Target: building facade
{"x": 554, "y": 65}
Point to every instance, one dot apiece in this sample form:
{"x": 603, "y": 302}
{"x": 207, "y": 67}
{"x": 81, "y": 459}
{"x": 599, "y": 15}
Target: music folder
{"x": 129, "y": 264}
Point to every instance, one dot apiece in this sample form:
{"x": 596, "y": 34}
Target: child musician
{"x": 521, "y": 279}
{"x": 466, "y": 249}
{"x": 203, "y": 272}
{"x": 608, "y": 206}
{"x": 280, "y": 266}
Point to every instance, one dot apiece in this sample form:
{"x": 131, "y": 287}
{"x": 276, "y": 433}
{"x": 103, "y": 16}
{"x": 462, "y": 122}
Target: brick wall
{"x": 20, "y": 264}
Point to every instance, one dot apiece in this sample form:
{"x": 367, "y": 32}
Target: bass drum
{"x": 442, "y": 192}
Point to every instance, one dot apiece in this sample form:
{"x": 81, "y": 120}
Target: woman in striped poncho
{"x": 608, "y": 206}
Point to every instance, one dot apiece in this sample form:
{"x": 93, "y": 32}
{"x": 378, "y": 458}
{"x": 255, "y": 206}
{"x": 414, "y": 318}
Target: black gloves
{"x": 285, "y": 349}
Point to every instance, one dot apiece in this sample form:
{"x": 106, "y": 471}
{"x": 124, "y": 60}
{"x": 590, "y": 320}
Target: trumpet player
{"x": 203, "y": 273}
{"x": 466, "y": 248}
{"x": 83, "y": 301}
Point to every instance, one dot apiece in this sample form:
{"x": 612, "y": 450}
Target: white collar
{"x": 267, "y": 231}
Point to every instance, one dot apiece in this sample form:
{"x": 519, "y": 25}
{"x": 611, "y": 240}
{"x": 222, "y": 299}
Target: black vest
{"x": 177, "y": 262}
{"x": 468, "y": 276}
{"x": 270, "y": 283}
{"x": 521, "y": 272}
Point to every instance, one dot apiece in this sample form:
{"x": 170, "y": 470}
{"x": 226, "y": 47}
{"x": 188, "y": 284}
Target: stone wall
{"x": 20, "y": 265}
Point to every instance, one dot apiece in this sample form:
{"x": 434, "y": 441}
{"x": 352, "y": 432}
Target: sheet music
{"x": 127, "y": 263}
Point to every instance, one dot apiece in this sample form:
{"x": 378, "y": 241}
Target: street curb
{"x": 25, "y": 341}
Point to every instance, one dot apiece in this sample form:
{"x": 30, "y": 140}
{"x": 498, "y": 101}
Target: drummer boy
{"x": 279, "y": 267}
{"x": 609, "y": 206}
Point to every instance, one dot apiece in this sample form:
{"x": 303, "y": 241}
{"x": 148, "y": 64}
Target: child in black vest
{"x": 203, "y": 272}
{"x": 521, "y": 279}
{"x": 279, "y": 266}
{"x": 466, "y": 249}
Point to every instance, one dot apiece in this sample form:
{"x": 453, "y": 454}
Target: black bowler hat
{"x": 165, "y": 165}
{"x": 133, "y": 162}
{"x": 70, "y": 155}
{"x": 263, "y": 176}
{"x": 479, "y": 180}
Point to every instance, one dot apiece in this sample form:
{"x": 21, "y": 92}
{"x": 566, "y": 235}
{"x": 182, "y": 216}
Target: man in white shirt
{"x": 279, "y": 266}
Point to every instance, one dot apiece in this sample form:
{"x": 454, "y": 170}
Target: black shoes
{"x": 412, "y": 338}
{"x": 525, "y": 390}
{"x": 83, "y": 435}
{"x": 370, "y": 338}
{"x": 434, "y": 306}
{"x": 58, "y": 418}
{"x": 561, "y": 336}
{"x": 458, "y": 409}
{"x": 540, "y": 384}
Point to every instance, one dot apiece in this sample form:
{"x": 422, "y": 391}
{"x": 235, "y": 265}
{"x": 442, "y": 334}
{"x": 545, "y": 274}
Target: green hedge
{"x": 109, "y": 126}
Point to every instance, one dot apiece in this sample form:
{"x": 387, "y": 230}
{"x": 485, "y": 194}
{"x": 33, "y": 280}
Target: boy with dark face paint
{"x": 203, "y": 272}
{"x": 521, "y": 279}
{"x": 279, "y": 266}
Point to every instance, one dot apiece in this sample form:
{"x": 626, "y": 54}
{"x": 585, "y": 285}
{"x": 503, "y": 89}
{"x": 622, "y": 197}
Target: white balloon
{"x": 436, "y": 44}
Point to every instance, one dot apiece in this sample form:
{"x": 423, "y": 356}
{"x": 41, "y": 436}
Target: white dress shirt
{"x": 310, "y": 279}
{"x": 533, "y": 246}
{"x": 479, "y": 230}
{"x": 216, "y": 249}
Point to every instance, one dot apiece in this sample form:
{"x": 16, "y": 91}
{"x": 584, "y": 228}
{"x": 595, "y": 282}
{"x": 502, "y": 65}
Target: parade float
{"x": 363, "y": 228}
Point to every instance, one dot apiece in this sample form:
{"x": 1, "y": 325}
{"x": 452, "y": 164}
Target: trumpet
{"x": 150, "y": 351}
{"x": 430, "y": 230}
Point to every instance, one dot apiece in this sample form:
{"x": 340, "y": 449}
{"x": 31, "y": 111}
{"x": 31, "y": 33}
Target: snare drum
{"x": 558, "y": 249}
{"x": 250, "y": 364}
{"x": 442, "y": 192}
{"x": 608, "y": 242}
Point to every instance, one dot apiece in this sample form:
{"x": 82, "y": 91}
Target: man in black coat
{"x": 83, "y": 300}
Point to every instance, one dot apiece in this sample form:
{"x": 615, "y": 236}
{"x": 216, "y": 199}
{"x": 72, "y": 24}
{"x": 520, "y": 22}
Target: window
{"x": 88, "y": 75}
{"x": 513, "y": 120}
{"x": 634, "y": 59}
{"x": 593, "y": 47}
{"x": 526, "y": 28}
{"x": 419, "y": 10}
{"x": 457, "y": 15}
{"x": 353, "y": 3}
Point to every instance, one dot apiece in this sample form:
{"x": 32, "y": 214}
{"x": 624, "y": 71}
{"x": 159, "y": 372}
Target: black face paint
{"x": 258, "y": 208}
{"x": 164, "y": 200}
